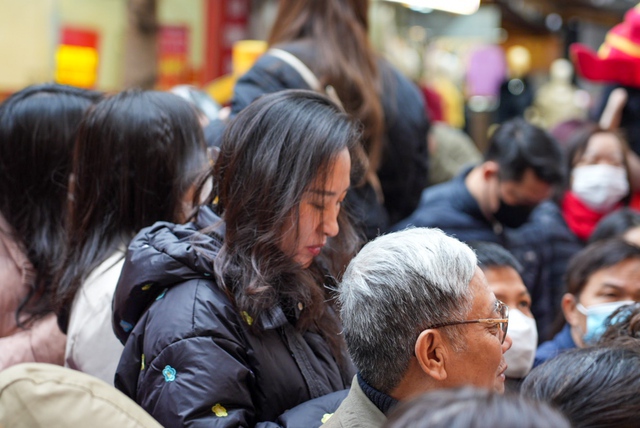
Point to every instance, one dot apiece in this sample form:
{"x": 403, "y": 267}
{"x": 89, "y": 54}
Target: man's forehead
{"x": 529, "y": 189}
{"x": 484, "y": 300}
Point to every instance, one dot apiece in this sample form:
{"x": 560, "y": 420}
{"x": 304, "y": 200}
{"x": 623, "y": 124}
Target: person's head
{"x": 598, "y": 171}
{"x": 38, "y": 126}
{"x": 592, "y": 387}
{"x": 502, "y": 271}
{"x": 623, "y": 328}
{"x": 404, "y": 300}
{"x": 521, "y": 166}
{"x": 468, "y": 407}
{"x": 624, "y": 223}
{"x": 284, "y": 168}
{"x": 342, "y": 57}
{"x": 137, "y": 159}
{"x": 598, "y": 280}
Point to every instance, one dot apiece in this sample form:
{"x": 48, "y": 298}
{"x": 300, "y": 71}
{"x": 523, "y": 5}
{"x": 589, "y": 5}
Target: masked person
{"x": 598, "y": 182}
{"x": 502, "y": 272}
{"x": 491, "y": 201}
{"x": 600, "y": 279}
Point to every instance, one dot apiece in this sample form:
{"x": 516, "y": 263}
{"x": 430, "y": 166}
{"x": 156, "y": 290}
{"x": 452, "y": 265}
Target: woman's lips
{"x": 315, "y": 250}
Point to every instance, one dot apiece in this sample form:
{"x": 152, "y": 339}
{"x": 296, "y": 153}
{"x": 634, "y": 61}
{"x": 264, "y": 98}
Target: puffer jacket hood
{"x": 160, "y": 257}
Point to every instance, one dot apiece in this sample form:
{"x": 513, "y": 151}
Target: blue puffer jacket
{"x": 403, "y": 172}
{"x": 192, "y": 358}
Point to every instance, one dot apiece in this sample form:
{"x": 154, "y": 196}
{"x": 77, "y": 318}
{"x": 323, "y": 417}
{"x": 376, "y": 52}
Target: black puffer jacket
{"x": 403, "y": 172}
{"x": 191, "y": 359}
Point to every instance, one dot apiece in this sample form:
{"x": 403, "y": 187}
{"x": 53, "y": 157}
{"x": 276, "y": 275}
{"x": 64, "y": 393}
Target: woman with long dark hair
{"x": 229, "y": 320}
{"x": 137, "y": 158}
{"x": 329, "y": 38}
{"x": 37, "y": 128}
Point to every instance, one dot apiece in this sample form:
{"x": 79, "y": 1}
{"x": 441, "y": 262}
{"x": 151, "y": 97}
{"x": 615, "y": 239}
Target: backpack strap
{"x": 306, "y": 74}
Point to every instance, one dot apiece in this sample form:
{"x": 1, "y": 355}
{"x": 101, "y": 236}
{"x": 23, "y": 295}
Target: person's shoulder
{"x": 561, "y": 342}
{"x": 193, "y": 306}
{"x": 356, "y": 410}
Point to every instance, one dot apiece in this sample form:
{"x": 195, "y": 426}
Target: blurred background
{"x": 480, "y": 62}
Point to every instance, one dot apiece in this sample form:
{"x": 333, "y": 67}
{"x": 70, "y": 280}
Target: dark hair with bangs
{"x": 270, "y": 154}
{"x": 38, "y": 126}
{"x": 595, "y": 257}
{"x": 518, "y": 145}
{"x": 136, "y": 157}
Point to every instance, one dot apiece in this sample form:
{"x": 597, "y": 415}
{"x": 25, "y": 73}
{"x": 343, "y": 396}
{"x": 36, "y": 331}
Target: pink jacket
{"x": 42, "y": 341}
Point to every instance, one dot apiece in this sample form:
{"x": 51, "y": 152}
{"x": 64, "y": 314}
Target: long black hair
{"x": 136, "y": 157}
{"x": 270, "y": 154}
{"x": 38, "y": 126}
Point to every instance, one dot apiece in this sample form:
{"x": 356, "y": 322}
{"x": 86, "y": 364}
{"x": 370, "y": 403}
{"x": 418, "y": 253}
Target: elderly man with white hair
{"x": 418, "y": 315}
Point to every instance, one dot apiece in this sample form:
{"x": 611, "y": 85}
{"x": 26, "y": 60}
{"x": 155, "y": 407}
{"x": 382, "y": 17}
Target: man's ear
{"x": 490, "y": 169}
{"x": 569, "y": 309}
{"x": 432, "y": 353}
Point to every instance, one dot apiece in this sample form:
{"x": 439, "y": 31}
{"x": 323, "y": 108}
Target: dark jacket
{"x": 192, "y": 358}
{"x": 560, "y": 343}
{"x": 450, "y": 207}
{"x": 403, "y": 172}
{"x": 548, "y": 230}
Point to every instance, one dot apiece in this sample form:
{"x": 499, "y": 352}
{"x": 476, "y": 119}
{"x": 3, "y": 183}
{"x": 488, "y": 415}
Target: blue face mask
{"x": 596, "y": 317}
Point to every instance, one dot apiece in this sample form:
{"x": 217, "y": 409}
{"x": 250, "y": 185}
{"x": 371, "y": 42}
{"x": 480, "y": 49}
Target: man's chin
{"x": 499, "y": 384}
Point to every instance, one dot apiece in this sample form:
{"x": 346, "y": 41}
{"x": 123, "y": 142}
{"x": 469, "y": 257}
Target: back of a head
{"x": 615, "y": 224}
{"x": 137, "y": 155}
{"x": 597, "y": 256}
{"x": 468, "y": 407}
{"x": 395, "y": 287}
{"x": 38, "y": 127}
{"x": 518, "y": 145}
{"x": 342, "y": 57}
{"x": 297, "y": 20}
{"x": 593, "y": 387}
{"x": 491, "y": 255}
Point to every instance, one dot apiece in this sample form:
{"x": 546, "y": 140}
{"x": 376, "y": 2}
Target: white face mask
{"x": 524, "y": 335}
{"x": 599, "y": 186}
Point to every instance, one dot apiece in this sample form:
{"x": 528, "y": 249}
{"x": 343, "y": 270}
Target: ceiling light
{"x": 462, "y": 7}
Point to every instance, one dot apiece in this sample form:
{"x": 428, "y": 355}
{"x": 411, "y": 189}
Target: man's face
{"x": 481, "y": 363}
{"x": 512, "y": 201}
{"x": 528, "y": 191}
{"x": 506, "y": 283}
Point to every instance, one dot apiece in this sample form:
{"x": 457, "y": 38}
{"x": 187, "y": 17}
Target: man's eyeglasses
{"x": 502, "y": 321}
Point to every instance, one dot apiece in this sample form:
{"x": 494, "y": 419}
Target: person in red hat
{"x": 617, "y": 63}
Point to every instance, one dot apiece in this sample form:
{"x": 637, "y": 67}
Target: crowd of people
{"x": 296, "y": 270}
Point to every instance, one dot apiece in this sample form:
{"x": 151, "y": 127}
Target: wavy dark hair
{"x": 271, "y": 153}
{"x": 137, "y": 156}
{"x": 38, "y": 126}
{"x": 344, "y": 58}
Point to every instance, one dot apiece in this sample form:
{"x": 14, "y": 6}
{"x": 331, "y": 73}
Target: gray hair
{"x": 397, "y": 286}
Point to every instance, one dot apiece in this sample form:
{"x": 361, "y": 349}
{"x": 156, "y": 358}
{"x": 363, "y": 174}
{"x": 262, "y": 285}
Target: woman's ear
{"x": 569, "y": 309}
{"x": 432, "y": 354}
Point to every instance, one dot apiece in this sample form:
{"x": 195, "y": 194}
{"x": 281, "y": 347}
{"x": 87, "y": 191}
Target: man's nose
{"x": 507, "y": 343}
